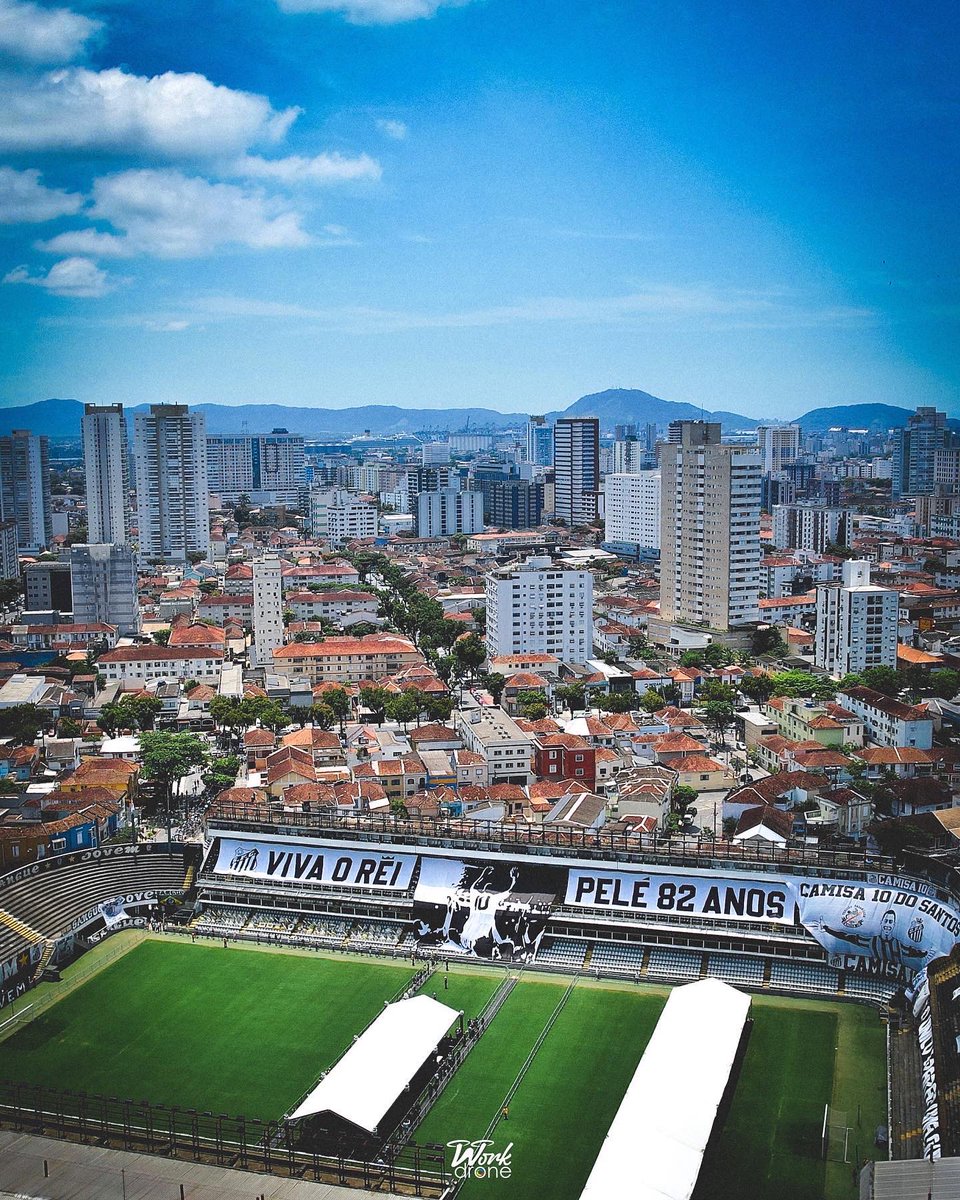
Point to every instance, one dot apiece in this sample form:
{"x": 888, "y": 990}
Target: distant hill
{"x": 855, "y": 416}
{"x": 630, "y": 406}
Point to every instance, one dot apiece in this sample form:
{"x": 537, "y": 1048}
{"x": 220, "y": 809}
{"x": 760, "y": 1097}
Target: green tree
{"x": 161, "y": 637}
{"x": 323, "y": 715}
{"x": 439, "y": 706}
{"x": 494, "y": 683}
{"x": 945, "y": 683}
{"x": 882, "y": 679}
{"x": 337, "y": 700}
{"x": 651, "y": 701}
{"x": 69, "y": 728}
{"x": 532, "y": 704}
{"x": 167, "y": 757}
{"x": 402, "y": 708}
{"x": 769, "y": 641}
{"x": 758, "y": 688}
{"x": 719, "y": 715}
{"x": 221, "y": 772}
{"x": 572, "y": 695}
{"x": 615, "y": 702}
{"x": 470, "y": 653}
{"x": 682, "y": 801}
{"x": 375, "y": 700}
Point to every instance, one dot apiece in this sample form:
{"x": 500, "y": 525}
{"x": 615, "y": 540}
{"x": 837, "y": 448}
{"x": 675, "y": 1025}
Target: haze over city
{"x": 492, "y": 203}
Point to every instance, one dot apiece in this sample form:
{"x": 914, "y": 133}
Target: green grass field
{"x": 249, "y": 1031}
{"x": 228, "y": 1031}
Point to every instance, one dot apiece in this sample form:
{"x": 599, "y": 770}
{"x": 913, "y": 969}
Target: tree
{"x": 221, "y": 772}
{"x": 719, "y": 715}
{"x": 758, "y": 688}
{"x": 615, "y": 702}
{"x": 22, "y": 722}
{"x": 337, "y": 700}
{"x": 768, "y": 641}
{"x": 375, "y": 699}
{"x": 494, "y": 683}
{"x": 227, "y": 712}
{"x": 573, "y": 695}
{"x": 439, "y": 706}
{"x": 639, "y": 647}
{"x": 323, "y": 715}
{"x": 161, "y": 637}
{"x": 713, "y": 689}
{"x": 532, "y": 704}
{"x": 402, "y": 708}
{"x": 10, "y": 591}
{"x": 651, "y": 701}
{"x": 882, "y": 679}
{"x": 470, "y": 653}
{"x": 69, "y": 728}
{"x": 167, "y": 757}
{"x": 683, "y": 797}
{"x": 945, "y": 683}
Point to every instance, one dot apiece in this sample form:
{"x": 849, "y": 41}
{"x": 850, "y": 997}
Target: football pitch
{"x": 248, "y": 1031}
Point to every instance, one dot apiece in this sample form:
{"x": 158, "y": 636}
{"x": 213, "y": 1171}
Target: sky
{"x": 503, "y": 203}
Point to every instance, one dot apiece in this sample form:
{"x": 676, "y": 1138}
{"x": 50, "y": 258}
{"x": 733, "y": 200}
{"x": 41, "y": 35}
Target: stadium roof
{"x": 367, "y": 1081}
{"x": 659, "y": 1135}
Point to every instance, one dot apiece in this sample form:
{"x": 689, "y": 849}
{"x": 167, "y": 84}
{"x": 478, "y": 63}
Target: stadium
{"x": 447, "y": 1007}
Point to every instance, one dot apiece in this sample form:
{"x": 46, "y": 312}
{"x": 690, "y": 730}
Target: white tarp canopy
{"x": 654, "y": 1148}
{"x": 365, "y": 1084}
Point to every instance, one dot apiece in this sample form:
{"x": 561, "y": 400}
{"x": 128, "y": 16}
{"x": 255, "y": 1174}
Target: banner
{"x": 494, "y": 910}
{"x": 901, "y": 926}
{"x": 298, "y": 862}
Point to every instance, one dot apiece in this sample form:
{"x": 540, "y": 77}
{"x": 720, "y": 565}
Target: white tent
{"x": 367, "y": 1081}
{"x": 654, "y": 1148}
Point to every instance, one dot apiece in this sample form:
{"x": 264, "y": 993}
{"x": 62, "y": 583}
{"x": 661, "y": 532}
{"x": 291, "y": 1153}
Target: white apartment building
{"x": 106, "y": 465}
{"x": 811, "y": 527}
{"x": 173, "y": 508}
{"x": 351, "y": 517}
{"x": 709, "y": 529}
{"x": 632, "y": 509}
{"x": 856, "y": 623}
{"x": 103, "y": 578}
{"x": 138, "y": 664}
{"x": 448, "y": 511}
{"x": 886, "y": 721}
{"x": 269, "y": 468}
{"x": 778, "y": 445}
{"x": 535, "y": 606}
{"x": 267, "y": 610}
{"x": 435, "y": 454}
{"x": 539, "y": 442}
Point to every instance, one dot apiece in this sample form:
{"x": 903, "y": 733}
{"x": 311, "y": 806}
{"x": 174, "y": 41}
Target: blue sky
{"x": 488, "y": 202}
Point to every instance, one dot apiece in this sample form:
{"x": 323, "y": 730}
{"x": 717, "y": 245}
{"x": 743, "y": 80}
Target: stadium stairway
{"x": 189, "y": 877}
{"x": 20, "y": 927}
{"x": 767, "y": 965}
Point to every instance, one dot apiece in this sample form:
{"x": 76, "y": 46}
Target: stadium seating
{"x": 221, "y": 920}
{"x": 734, "y": 969}
{"x": 804, "y": 977}
{"x": 52, "y": 900}
{"x": 877, "y": 990}
{"x": 562, "y": 952}
{"x": 674, "y": 964}
{"x": 374, "y": 936}
{"x": 329, "y": 930}
{"x": 608, "y": 957}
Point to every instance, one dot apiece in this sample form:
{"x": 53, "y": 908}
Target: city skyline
{"x": 342, "y": 202}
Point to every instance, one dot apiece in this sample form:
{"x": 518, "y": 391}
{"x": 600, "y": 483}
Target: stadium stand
{"x": 804, "y": 977}
{"x": 674, "y": 964}
{"x": 607, "y": 957}
{"x": 748, "y": 972}
{"x": 568, "y": 953}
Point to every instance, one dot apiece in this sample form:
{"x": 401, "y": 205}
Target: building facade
{"x": 103, "y": 579}
{"x": 446, "y": 512}
{"x": 47, "y": 586}
{"x": 106, "y": 466}
{"x": 779, "y": 445}
{"x": 267, "y": 610}
{"x": 539, "y": 448}
{"x": 576, "y": 464}
{"x": 270, "y": 468}
{"x": 914, "y": 452}
{"x": 25, "y": 488}
{"x": 535, "y": 606}
{"x": 810, "y": 527}
{"x": 857, "y": 623}
{"x": 632, "y": 509}
{"x": 709, "y": 529}
{"x": 173, "y": 507}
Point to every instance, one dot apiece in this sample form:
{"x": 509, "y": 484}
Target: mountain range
{"x": 617, "y": 406}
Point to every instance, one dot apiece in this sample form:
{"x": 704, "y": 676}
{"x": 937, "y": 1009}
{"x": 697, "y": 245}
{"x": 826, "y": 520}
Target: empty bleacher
{"x": 735, "y": 969}
{"x": 804, "y": 977}
{"x": 862, "y": 988}
{"x": 375, "y": 935}
{"x": 607, "y": 957}
{"x": 667, "y": 963}
{"x": 562, "y": 952}
{"x": 51, "y": 901}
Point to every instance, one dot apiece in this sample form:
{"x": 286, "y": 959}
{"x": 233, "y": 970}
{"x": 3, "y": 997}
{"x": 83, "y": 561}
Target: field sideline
{"x": 245, "y": 1030}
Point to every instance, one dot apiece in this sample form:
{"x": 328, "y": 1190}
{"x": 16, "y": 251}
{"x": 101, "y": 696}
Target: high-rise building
{"x": 269, "y": 468}
{"x": 576, "y": 464}
{"x": 632, "y": 509}
{"x": 537, "y": 607}
{"x": 435, "y": 454}
{"x": 811, "y": 527}
{"x": 512, "y": 503}
{"x": 539, "y": 442}
{"x": 914, "y": 452}
{"x": 103, "y": 579}
{"x": 447, "y": 512}
{"x": 709, "y": 529}
{"x": 856, "y": 623}
{"x": 173, "y": 512}
{"x": 25, "y": 487}
{"x": 9, "y": 560}
{"x": 350, "y": 517}
{"x": 631, "y": 455}
{"x": 267, "y": 610}
{"x": 46, "y": 586}
{"x": 779, "y": 445}
{"x": 106, "y": 464}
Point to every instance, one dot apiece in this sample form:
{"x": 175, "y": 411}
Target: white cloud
{"x": 89, "y": 242}
{"x": 43, "y": 35}
{"x": 77, "y": 277}
{"x": 171, "y": 114}
{"x": 372, "y": 12}
{"x": 23, "y": 198}
{"x": 322, "y": 168}
{"x": 170, "y": 215}
{"x": 393, "y": 129}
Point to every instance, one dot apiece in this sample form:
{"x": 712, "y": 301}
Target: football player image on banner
{"x": 486, "y": 910}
